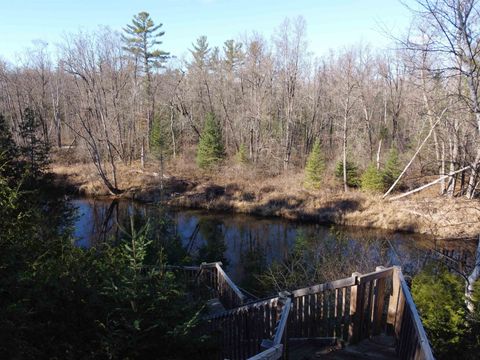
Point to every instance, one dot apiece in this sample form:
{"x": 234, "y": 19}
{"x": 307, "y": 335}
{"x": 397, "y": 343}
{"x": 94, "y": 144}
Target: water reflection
{"x": 248, "y": 245}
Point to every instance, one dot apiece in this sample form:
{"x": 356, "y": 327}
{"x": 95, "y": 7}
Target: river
{"x": 248, "y": 245}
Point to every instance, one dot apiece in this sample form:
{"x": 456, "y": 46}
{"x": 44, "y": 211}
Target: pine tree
{"x": 241, "y": 155}
{"x": 210, "y": 149}
{"x": 200, "y": 52}
{"x": 372, "y": 179}
{"x": 160, "y": 142}
{"x": 352, "y": 173}
{"x": 141, "y": 41}
{"x": 315, "y": 167}
{"x": 392, "y": 168}
{"x": 34, "y": 149}
{"x": 142, "y": 36}
{"x": 8, "y": 149}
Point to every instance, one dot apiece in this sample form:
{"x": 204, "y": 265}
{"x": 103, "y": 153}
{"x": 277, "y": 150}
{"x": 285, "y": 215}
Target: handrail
{"x": 238, "y": 309}
{"x": 352, "y": 309}
{"x": 232, "y": 285}
{"x": 276, "y": 348}
{"x": 273, "y": 353}
{"x": 283, "y": 322}
{"x": 423, "y": 350}
{"x": 337, "y": 284}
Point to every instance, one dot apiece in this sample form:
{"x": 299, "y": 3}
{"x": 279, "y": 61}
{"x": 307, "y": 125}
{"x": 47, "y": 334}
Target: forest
{"x": 116, "y": 97}
{"x": 257, "y": 126}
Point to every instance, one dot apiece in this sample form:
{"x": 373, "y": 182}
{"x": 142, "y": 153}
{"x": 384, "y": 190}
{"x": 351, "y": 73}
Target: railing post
{"x": 356, "y": 300}
{"x": 378, "y": 303}
{"x": 395, "y": 306}
{"x": 283, "y": 296}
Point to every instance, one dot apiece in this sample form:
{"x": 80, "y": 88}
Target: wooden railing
{"x": 257, "y": 330}
{"x": 225, "y": 289}
{"x": 277, "y": 348}
{"x": 188, "y": 273}
{"x": 350, "y": 309}
{"x": 411, "y": 341}
{"x": 214, "y": 278}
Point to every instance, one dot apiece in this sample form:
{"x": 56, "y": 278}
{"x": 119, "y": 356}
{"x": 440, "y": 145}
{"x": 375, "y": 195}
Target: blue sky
{"x": 330, "y": 23}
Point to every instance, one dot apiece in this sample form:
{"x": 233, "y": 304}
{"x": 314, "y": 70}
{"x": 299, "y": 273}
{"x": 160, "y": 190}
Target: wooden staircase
{"x": 341, "y": 319}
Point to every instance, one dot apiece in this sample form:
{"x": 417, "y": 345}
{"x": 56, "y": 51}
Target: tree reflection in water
{"x": 262, "y": 255}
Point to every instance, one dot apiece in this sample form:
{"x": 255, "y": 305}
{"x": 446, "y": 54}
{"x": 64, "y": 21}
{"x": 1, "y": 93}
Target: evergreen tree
{"x": 210, "y": 149}
{"x": 233, "y": 54}
{"x": 8, "y": 148}
{"x": 200, "y": 52}
{"x": 8, "y": 151}
{"x": 241, "y": 155}
{"x": 438, "y": 295}
{"x": 372, "y": 179}
{"x": 141, "y": 39}
{"x": 315, "y": 167}
{"x": 392, "y": 168}
{"x": 34, "y": 149}
{"x": 352, "y": 173}
{"x": 160, "y": 142}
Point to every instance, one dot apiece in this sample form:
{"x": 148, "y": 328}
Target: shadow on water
{"x": 248, "y": 245}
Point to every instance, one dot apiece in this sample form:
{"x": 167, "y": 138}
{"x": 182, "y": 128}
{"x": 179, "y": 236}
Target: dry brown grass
{"x": 245, "y": 189}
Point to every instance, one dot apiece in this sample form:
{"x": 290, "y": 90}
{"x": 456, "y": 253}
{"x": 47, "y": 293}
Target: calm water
{"x": 245, "y": 243}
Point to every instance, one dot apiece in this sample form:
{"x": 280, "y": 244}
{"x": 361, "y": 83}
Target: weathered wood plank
{"x": 354, "y": 296}
{"x": 376, "y": 275}
{"x": 324, "y": 287}
{"x": 272, "y": 353}
{"x": 379, "y": 304}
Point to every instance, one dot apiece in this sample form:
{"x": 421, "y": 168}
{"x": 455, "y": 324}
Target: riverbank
{"x": 241, "y": 190}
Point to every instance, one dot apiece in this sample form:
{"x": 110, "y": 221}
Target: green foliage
{"x": 200, "y": 52}
{"x": 233, "y": 54}
{"x": 35, "y": 150}
{"x": 372, "y": 179}
{"x": 210, "y": 149}
{"x": 241, "y": 156}
{"x": 60, "y": 301}
{"x": 7, "y": 145}
{"x": 160, "y": 140}
{"x": 352, "y": 173}
{"x": 392, "y": 168}
{"x": 141, "y": 39}
{"x": 439, "y": 296}
{"x": 315, "y": 167}
{"x": 214, "y": 247}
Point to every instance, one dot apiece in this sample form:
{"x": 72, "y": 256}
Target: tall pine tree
{"x": 210, "y": 149}
{"x": 142, "y": 39}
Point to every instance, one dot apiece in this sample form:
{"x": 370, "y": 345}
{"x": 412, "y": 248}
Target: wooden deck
{"x": 377, "y": 348}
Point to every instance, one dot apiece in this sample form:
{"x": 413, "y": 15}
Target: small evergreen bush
{"x": 315, "y": 167}
{"x": 439, "y": 296}
{"x": 372, "y": 179}
{"x": 352, "y": 173}
{"x": 210, "y": 149}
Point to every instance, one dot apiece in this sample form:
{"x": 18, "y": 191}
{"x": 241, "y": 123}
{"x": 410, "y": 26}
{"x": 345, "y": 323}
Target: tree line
{"x": 117, "y": 96}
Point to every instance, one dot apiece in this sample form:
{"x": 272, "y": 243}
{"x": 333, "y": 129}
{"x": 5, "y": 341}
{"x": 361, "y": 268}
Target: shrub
{"x": 210, "y": 149}
{"x": 439, "y": 297}
{"x": 315, "y": 167}
{"x": 372, "y": 179}
{"x": 352, "y": 173}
